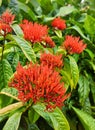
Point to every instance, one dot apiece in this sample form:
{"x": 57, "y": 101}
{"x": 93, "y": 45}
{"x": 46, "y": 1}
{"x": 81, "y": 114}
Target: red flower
{"x": 39, "y": 83}
{"x": 74, "y": 45}
{"x": 5, "y": 28}
{"x": 51, "y": 60}
{"x": 5, "y": 20}
{"x": 59, "y": 23}
{"x": 33, "y": 32}
{"x": 7, "y": 17}
{"x": 49, "y": 41}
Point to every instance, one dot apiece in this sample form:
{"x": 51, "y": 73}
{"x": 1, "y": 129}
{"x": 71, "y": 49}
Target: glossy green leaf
{"x": 0, "y": 2}
{"x": 87, "y": 121}
{"x": 74, "y": 71}
{"x": 13, "y": 122}
{"x": 10, "y": 108}
{"x": 5, "y": 73}
{"x": 15, "y": 60}
{"x": 89, "y": 25}
{"x": 79, "y": 31}
{"x": 55, "y": 117}
{"x": 33, "y": 116}
{"x": 11, "y": 92}
{"x": 17, "y": 29}
{"x": 45, "y": 4}
{"x": 83, "y": 89}
{"x": 36, "y": 6}
{"x": 25, "y": 47}
{"x": 63, "y": 11}
{"x": 27, "y": 10}
{"x": 91, "y": 54}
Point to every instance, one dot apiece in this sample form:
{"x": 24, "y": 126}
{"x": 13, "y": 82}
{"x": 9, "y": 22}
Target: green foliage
{"x": 25, "y": 47}
{"x": 13, "y": 121}
{"x": 89, "y": 25}
{"x": 87, "y": 121}
{"x": 77, "y": 73}
{"x": 63, "y": 11}
{"x": 57, "y": 118}
{"x": 83, "y": 89}
{"x": 5, "y": 73}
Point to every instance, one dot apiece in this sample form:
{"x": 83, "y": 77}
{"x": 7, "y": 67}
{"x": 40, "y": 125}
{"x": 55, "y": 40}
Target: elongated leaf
{"x": 33, "y": 116}
{"x": 10, "y": 108}
{"x": 27, "y": 10}
{"x": 45, "y": 4}
{"x": 13, "y": 122}
{"x": 25, "y": 47}
{"x": 5, "y": 73}
{"x": 17, "y": 29}
{"x": 11, "y": 92}
{"x": 74, "y": 71}
{"x": 83, "y": 89}
{"x": 36, "y": 6}
{"x": 89, "y": 24}
{"x": 79, "y": 31}
{"x": 57, "y": 118}
{"x": 63, "y": 11}
{"x": 87, "y": 121}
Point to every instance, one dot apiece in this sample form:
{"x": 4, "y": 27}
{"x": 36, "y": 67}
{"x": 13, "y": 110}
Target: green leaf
{"x": 0, "y": 2}
{"x": 25, "y": 47}
{"x": 57, "y": 118}
{"x": 33, "y": 115}
{"x": 79, "y": 31}
{"x": 17, "y": 29}
{"x": 87, "y": 121}
{"x": 10, "y": 108}
{"x": 11, "y": 92}
{"x": 74, "y": 71}
{"x": 91, "y": 54}
{"x": 27, "y": 10}
{"x": 89, "y": 25}
{"x": 5, "y": 73}
{"x": 13, "y": 122}
{"x": 83, "y": 89}
{"x": 63, "y": 11}
{"x": 36, "y": 6}
{"x": 45, "y": 4}
{"x": 15, "y": 60}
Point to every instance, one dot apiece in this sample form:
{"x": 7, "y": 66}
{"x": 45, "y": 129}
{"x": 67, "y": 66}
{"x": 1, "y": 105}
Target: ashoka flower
{"x": 7, "y": 17}
{"x": 6, "y": 20}
{"x": 59, "y": 23}
{"x": 49, "y": 41}
{"x": 51, "y": 60}
{"x": 33, "y": 32}
{"x": 74, "y": 45}
{"x": 39, "y": 83}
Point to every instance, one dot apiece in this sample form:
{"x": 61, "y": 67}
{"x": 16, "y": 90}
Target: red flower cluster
{"x": 49, "y": 41}
{"x": 59, "y": 23}
{"x": 36, "y": 32}
{"x": 6, "y": 20}
{"x": 51, "y": 60}
{"x": 39, "y": 83}
{"x": 74, "y": 45}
